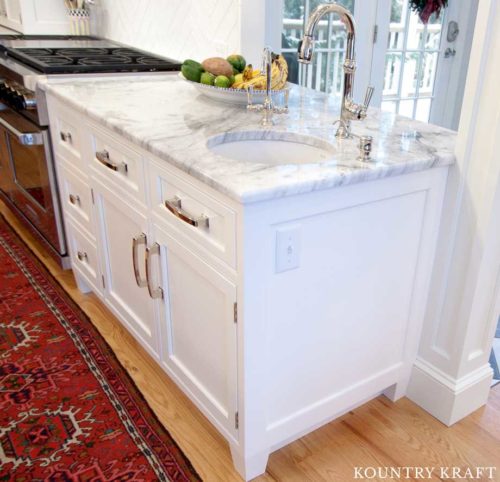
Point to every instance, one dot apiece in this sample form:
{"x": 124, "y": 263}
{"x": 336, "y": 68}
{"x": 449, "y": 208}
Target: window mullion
{"x": 419, "y": 70}
{"x": 403, "y": 53}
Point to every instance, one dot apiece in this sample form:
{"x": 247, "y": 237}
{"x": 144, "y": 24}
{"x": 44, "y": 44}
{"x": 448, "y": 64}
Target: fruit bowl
{"x": 232, "y": 96}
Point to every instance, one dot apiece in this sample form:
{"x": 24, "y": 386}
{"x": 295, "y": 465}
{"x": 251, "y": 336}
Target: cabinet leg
{"x": 81, "y": 283}
{"x": 251, "y": 466}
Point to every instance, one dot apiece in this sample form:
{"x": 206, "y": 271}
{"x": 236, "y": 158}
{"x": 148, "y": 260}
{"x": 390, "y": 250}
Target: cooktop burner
{"x": 90, "y": 60}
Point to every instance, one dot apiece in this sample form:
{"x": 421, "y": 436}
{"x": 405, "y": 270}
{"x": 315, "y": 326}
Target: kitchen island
{"x": 277, "y": 296}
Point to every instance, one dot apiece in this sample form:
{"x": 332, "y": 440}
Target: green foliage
{"x": 396, "y": 10}
{"x": 295, "y": 8}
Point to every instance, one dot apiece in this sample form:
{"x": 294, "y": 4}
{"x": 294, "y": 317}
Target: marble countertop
{"x": 167, "y": 117}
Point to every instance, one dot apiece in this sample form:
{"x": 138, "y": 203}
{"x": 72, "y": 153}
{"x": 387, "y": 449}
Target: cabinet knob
{"x": 74, "y": 199}
{"x": 82, "y": 256}
{"x": 65, "y": 136}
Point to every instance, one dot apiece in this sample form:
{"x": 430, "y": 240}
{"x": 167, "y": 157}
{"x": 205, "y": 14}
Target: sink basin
{"x": 271, "y": 147}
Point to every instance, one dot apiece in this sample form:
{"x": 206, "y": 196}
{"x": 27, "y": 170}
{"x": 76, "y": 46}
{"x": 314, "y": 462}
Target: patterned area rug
{"x": 68, "y": 409}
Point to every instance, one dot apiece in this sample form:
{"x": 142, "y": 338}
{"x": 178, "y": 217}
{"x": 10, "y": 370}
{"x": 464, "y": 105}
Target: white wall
{"x": 452, "y": 376}
{"x": 178, "y": 29}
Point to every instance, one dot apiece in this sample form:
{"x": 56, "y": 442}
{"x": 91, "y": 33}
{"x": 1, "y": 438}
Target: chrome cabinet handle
{"x": 82, "y": 256}
{"x": 175, "y": 207}
{"x": 24, "y": 138}
{"x": 74, "y": 199}
{"x": 65, "y": 136}
{"x": 141, "y": 239}
{"x": 153, "y": 292}
{"x": 103, "y": 158}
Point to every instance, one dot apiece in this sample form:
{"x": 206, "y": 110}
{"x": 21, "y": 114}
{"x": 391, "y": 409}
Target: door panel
{"x": 119, "y": 224}
{"x": 198, "y": 323}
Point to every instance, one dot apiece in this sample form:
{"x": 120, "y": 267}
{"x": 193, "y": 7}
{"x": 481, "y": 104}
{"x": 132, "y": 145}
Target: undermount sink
{"x": 271, "y": 147}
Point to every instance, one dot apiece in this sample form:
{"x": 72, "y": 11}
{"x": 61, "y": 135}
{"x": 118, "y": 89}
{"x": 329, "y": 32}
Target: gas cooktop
{"x": 90, "y": 59}
{"x": 73, "y": 55}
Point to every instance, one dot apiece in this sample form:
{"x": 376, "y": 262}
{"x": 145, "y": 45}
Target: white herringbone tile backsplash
{"x": 178, "y": 29}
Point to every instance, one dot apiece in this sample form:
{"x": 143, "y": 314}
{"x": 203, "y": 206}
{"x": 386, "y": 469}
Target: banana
{"x": 279, "y": 72}
{"x": 256, "y": 78}
{"x": 248, "y": 72}
{"x": 258, "y": 83}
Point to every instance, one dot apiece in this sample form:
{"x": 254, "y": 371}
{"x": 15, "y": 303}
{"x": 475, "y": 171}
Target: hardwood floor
{"x": 379, "y": 433}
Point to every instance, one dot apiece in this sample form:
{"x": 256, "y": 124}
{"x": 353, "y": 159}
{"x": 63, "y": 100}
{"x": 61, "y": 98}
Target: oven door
{"x": 33, "y": 187}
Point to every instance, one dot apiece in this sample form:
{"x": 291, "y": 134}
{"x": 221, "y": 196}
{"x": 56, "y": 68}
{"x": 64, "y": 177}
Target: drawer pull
{"x": 175, "y": 207}
{"x": 82, "y": 256}
{"x": 66, "y": 136}
{"x": 141, "y": 239}
{"x": 103, "y": 158}
{"x": 153, "y": 292}
{"x": 74, "y": 199}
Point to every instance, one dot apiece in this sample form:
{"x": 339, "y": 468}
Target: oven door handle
{"x": 24, "y": 138}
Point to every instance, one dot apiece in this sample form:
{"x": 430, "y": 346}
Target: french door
{"x": 406, "y": 71}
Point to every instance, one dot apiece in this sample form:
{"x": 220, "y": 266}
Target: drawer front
{"x": 118, "y": 164}
{"x": 182, "y": 205}
{"x": 66, "y": 137}
{"x": 76, "y": 198}
{"x": 83, "y": 255}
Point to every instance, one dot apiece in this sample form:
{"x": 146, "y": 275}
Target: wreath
{"x": 425, "y": 8}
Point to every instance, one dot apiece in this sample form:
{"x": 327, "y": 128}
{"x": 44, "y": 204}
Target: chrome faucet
{"x": 267, "y": 106}
{"x": 267, "y": 62}
{"x": 349, "y": 110}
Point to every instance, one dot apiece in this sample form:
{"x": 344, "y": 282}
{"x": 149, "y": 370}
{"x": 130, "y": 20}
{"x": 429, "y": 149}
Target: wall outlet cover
{"x": 287, "y": 248}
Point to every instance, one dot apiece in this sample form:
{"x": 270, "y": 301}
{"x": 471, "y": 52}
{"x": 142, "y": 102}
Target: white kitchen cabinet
{"x": 123, "y": 232}
{"x": 76, "y": 197}
{"x": 274, "y": 317}
{"x": 199, "y": 332}
{"x": 35, "y": 17}
{"x": 85, "y": 260}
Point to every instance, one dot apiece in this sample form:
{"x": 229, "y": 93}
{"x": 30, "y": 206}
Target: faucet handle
{"x": 266, "y": 58}
{"x": 368, "y": 96}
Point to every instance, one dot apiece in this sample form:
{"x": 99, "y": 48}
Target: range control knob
{"x": 14, "y": 94}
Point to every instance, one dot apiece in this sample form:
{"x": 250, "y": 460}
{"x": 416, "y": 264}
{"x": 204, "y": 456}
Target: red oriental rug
{"x": 68, "y": 409}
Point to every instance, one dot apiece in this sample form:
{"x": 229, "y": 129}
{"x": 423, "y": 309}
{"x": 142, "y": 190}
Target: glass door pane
{"x": 325, "y": 71}
{"x": 410, "y": 62}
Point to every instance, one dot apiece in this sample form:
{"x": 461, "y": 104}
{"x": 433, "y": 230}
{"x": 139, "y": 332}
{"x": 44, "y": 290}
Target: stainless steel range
{"x": 27, "y": 177}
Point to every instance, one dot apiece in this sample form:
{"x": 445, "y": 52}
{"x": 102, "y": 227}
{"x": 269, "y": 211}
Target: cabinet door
{"x": 119, "y": 224}
{"x": 199, "y": 330}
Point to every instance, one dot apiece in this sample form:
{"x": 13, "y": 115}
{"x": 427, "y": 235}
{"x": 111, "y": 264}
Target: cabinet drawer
{"x": 202, "y": 219}
{"x": 118, "y": 164}
{"x": 83, "y": 255}
{"x": 66, "y": 136}
{"x": 76, "y": 198}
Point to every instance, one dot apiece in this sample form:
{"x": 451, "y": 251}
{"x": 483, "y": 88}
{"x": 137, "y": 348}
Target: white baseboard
{"x": 448, "y": 399}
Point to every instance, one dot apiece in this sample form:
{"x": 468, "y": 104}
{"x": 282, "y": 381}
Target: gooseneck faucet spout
{"x": 349, "y": 109}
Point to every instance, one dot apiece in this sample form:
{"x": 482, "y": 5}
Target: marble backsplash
{"x": 175, "y": 28}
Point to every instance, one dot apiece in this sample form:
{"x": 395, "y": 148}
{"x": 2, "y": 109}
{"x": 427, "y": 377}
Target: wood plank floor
{"x": 379, "y": 433}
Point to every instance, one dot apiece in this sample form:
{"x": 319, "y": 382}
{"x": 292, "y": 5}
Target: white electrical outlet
{"x": 287, "y": 248}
